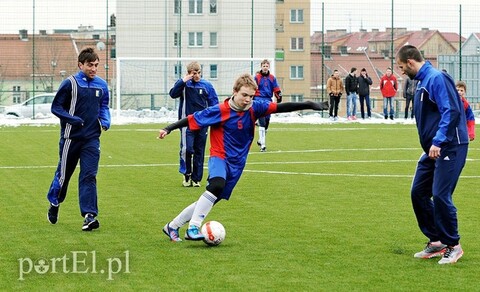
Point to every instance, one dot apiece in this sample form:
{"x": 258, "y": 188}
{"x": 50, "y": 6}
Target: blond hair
{"x": 193, "y": 66}
{"x": 244, "y": 80}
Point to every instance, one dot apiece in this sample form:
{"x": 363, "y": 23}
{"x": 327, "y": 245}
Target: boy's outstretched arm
{"x": 178, "y": 124}
{"x": 296, "y": 106}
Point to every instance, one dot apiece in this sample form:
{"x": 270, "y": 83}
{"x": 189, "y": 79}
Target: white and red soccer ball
{"x": 214, "y": 233}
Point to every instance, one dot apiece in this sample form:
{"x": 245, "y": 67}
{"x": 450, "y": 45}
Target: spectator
{"x": 351, "y": 88}
{"x": 364, "y": 82}
{"x": 388, "y": 87}
{"x": 334, "y": 89}
{"x": 408, "y": 93}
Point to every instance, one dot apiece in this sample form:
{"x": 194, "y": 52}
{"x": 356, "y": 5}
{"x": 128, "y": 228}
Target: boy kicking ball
{"x": 232, "y": 129}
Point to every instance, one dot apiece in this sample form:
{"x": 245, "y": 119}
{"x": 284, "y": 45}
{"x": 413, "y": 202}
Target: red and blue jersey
{"x": 470, "y": 119}
{"x": 231, "y": 132}
{"x": 267, "y": 85}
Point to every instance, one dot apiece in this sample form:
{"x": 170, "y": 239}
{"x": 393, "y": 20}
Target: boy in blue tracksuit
{"x": 81, "y": 104}
{"x": 442, "y": 129}
{"x": 195, "y": 95}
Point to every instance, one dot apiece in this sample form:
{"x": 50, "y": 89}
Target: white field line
{"x": 271, "y": 171}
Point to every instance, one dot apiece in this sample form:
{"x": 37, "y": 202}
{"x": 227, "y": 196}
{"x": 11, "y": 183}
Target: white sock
{"x": 183, "y": 217}
{"x": 202, "y": 208}
{"x": 261, "y": 135}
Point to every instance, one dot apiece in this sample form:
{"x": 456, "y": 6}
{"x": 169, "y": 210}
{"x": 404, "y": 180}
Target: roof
{"x": 55, "y": 55}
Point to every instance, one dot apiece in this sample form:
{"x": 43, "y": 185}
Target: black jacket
{"x": 351, "y": 84}
{"x": 364, "y": 85}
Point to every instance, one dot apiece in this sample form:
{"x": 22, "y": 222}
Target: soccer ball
{"x": 214, "y": 233}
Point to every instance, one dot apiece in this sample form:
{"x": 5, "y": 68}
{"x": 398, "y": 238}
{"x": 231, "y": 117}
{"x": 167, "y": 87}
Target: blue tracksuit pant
{"x": 71, "y": 151}
{"x": 192, "y": 152}
{"x": 437, "y": 217}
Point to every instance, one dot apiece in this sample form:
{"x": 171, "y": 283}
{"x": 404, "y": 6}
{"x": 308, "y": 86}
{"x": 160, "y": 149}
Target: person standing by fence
{"x": 334, "y": 89}
{"x": 364, "y": 82}
{"x": 408, "y": 93}
{"x": 388, "y": 87}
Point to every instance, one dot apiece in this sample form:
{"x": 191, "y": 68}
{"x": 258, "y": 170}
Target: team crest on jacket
{"x": 200, "y": 91}
{"x": 97, "y": 93}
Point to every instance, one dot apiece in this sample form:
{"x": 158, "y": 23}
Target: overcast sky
{"x": 348, "y": 14}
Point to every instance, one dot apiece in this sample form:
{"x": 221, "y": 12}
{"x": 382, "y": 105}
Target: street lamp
{"x": 54, "y": 65}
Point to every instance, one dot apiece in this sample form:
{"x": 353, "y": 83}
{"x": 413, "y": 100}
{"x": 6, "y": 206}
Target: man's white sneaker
{"x": 433, "y": 249}
{"x": 451, "y": 255}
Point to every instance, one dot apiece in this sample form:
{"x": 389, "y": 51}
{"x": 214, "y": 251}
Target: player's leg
{"x": 261, "y": 133}
{"x": 87, "y": 183}
{"x": 447, "y": 171}
{"x": 421, "y": 194}
{"x": 186, "y": 153}
{"x": 217, "y": 175}
{"x": 69, "y": 155}
{"x": 200, "y": 140}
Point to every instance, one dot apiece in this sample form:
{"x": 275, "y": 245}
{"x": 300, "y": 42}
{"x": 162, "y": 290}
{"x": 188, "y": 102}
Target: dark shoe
{"x": 391, "y": 118}
{"x": 90, "y": 223}
{"x": 263, "y": 149}
{"x": 52, "y": 215}
{"x": 386, "y": 117}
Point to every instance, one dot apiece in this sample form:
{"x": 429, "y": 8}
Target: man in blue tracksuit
{"x": 442, "y": 129}
{"x": 81, "y": 104}
{"x": 195, "y": 95}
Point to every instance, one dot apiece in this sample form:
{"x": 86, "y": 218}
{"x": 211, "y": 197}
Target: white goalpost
{"x": 144, "y": 83}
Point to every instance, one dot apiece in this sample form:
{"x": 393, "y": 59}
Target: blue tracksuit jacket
{"x": 82, "y": 109}
{"x": 438, "y": 109}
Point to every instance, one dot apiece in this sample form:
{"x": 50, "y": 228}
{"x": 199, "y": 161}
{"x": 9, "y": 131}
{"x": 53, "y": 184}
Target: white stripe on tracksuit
{"x": 68, "y": 128}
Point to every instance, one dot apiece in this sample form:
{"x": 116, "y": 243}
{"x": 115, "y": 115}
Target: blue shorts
{"x": 218, "y": 167}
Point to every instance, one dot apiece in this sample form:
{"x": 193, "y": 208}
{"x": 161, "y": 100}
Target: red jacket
{"x": 388, "y": 86}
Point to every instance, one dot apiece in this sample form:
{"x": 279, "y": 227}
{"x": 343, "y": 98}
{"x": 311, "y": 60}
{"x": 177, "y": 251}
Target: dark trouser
{"x": 71, "y": 151}
{"x": 438, "y": 178}
{"x": 334, "y": 101}
{"x": 365, "y": 99}
{"x": 408, "y": 99}
{"x": 192, "y": 152}
{"x": 264, "y": 122}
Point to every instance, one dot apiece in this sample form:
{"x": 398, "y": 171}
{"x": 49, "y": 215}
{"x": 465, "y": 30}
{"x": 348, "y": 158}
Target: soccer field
{"x": 327, "y": 208}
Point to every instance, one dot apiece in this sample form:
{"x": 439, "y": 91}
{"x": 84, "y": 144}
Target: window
{"x": 296, "y": 72}
{"x": 296, "y": 15}
{"x": 213, "y": 71}
{"x": 195, "y": 6}
{"x": 213, "y": 39}
{"x": 296, "y": 97}
{"x": 176, "y": 39}
{"x": 177, "y": 70}
{"x": 177, "y": 7}
{"x": 195, "y": 39}
{"x": 213, "y": 6}
{"x": 296, "y": 44}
